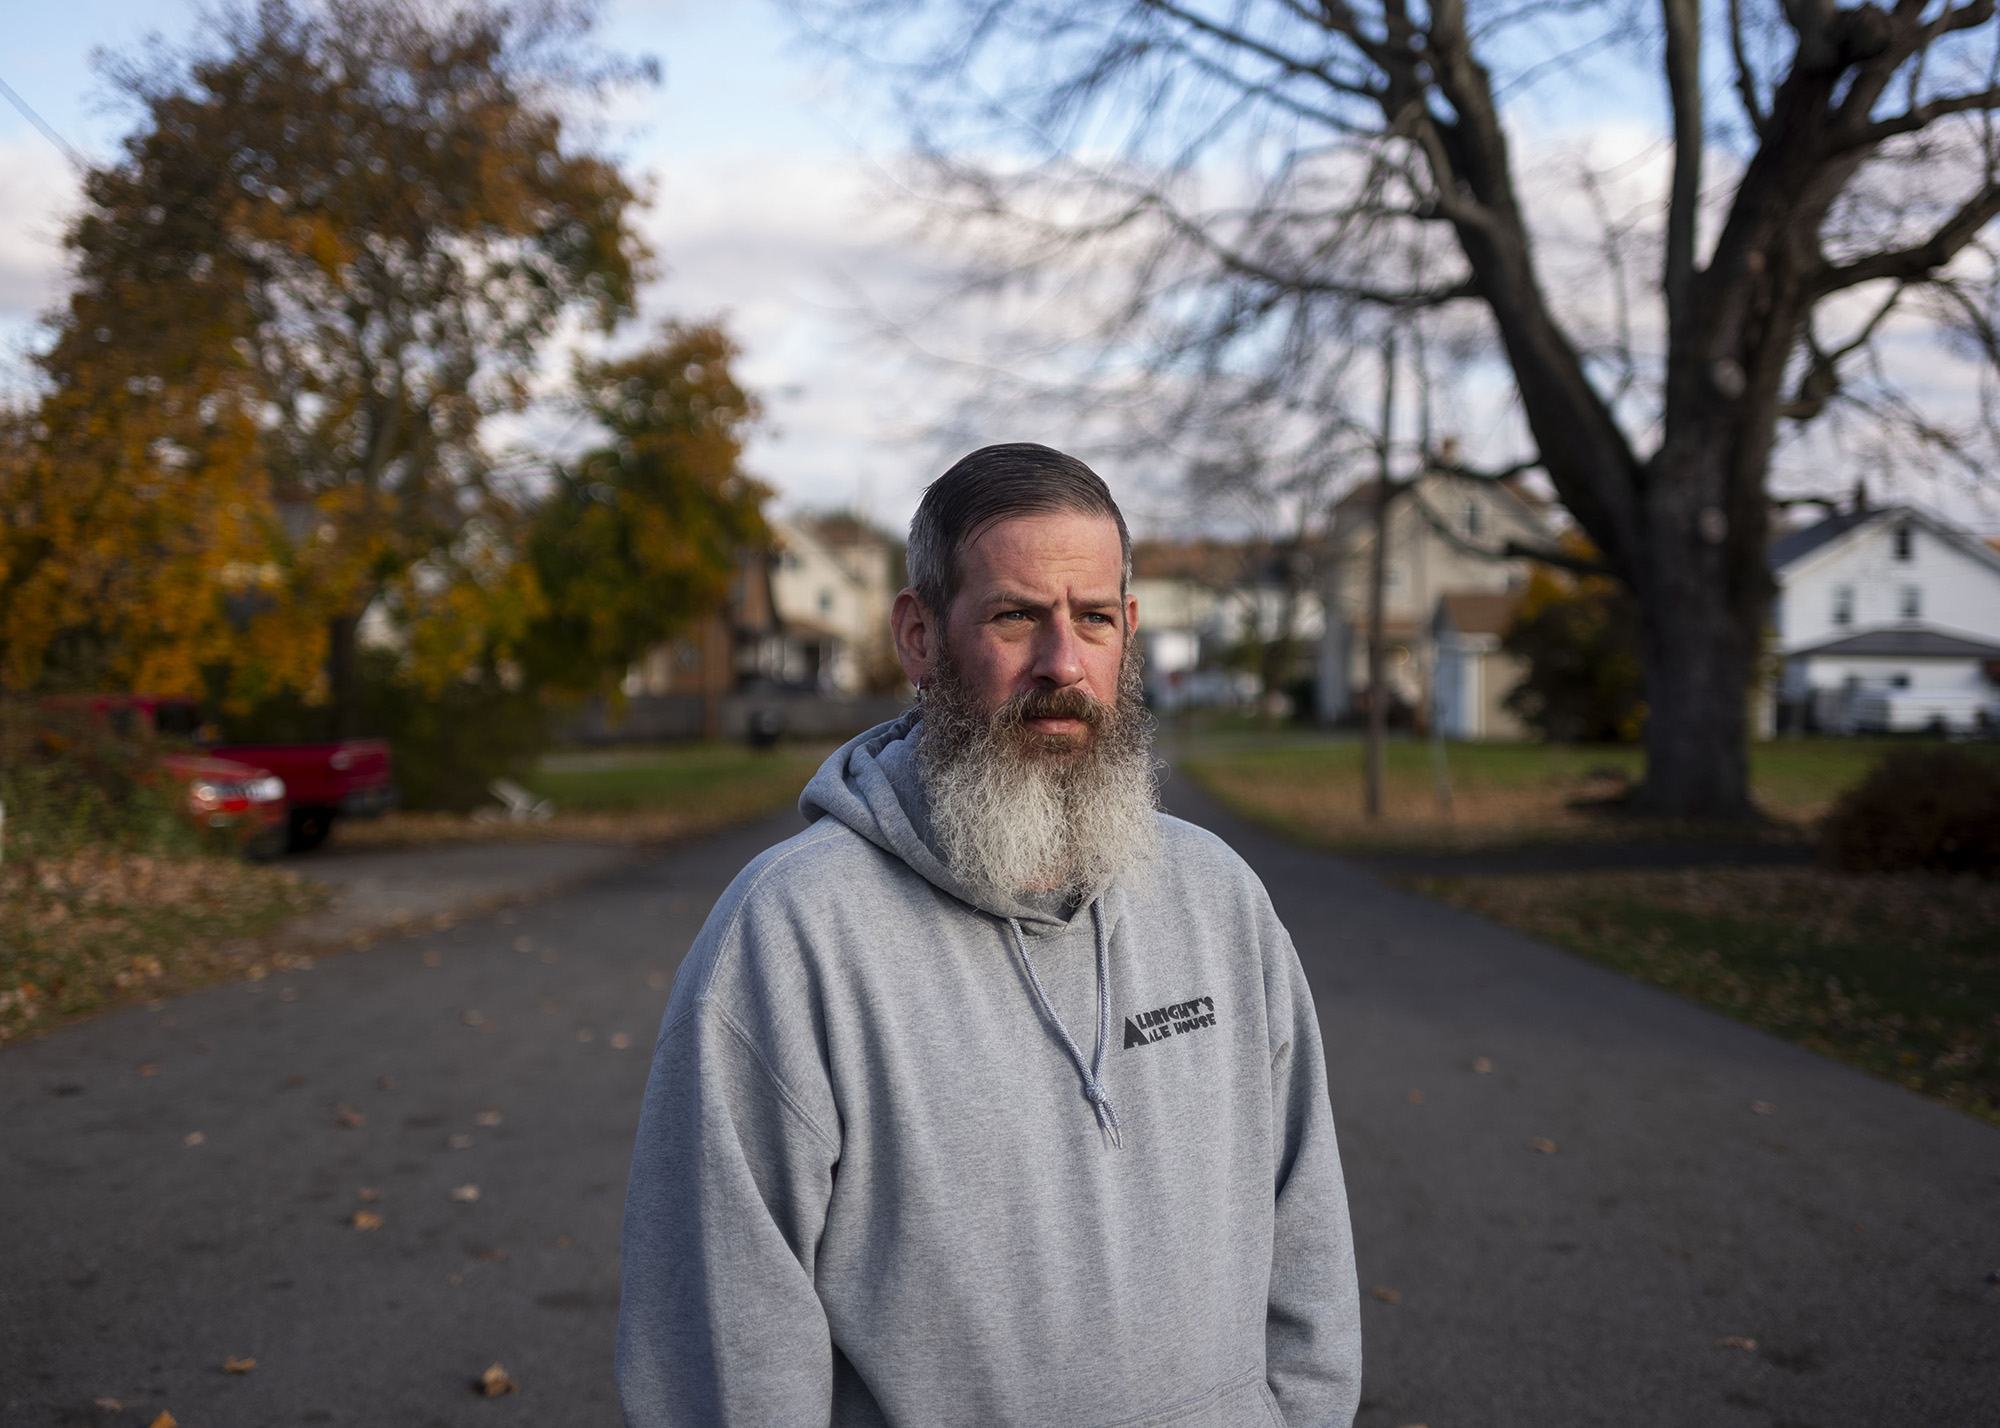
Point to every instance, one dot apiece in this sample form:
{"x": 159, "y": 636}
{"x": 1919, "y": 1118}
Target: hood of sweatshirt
{"x": 873, "y": 785}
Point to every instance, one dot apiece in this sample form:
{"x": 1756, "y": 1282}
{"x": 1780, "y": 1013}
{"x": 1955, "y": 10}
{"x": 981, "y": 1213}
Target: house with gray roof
{"x": 1887, "y": 620}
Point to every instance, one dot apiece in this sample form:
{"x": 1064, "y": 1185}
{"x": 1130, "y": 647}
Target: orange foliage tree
{"x": 337, "y": 244}
{"x": 641, "y": 533}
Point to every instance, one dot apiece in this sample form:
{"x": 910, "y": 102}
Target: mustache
{"x": 1053, "y": 704}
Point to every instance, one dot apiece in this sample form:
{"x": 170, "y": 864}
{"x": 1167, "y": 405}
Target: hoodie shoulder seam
{"x": 730, "y": 935}
{"x": 785, "y": 1093}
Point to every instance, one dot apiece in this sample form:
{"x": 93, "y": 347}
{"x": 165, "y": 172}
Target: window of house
{"x": 1843, "y": 604}
{"x": 1905, "y": 541}
{"x": 1899, "y": 681}
{"x": 1912, "y": 604}
{"x": 1475, "y": 519}
{"x": 826, "y": 602}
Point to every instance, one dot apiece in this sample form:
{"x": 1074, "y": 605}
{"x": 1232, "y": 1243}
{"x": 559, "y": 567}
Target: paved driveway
{"x": 1849, "y": 1232}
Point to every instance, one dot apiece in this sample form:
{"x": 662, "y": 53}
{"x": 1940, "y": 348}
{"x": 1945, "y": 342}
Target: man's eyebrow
{"x": 1014, "y": 597}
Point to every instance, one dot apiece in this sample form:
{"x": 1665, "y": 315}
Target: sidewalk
{"x": 401, "y": 889}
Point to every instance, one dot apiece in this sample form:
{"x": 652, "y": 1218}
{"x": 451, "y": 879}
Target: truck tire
{"x": 309, "y": 827}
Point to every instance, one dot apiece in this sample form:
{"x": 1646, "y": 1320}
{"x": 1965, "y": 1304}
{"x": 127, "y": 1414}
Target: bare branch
{"x": 1921, "y": 260}
{"x": 1922, "y": 116}
{"x": 1746, "y": 79}
{"x": 1560, "y": 559}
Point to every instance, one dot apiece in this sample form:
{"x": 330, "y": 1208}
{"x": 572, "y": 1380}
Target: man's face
{"x": 1039, "y": 612}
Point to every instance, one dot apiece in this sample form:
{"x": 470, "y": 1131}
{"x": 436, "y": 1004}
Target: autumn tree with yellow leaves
{"x": 338, "y": 243}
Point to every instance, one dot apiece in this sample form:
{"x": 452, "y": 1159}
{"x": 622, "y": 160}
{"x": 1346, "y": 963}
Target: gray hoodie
{"x": 878, "y": 1182}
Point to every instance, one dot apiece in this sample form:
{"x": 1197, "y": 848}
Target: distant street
{"x": 1717, "y": 1229}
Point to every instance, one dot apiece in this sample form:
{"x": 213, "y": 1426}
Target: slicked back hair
{"x": 994, "y": 484}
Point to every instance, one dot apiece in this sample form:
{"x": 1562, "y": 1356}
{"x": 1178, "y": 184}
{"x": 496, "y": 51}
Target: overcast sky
{"x": 767, "y": 212}
{"x": 772, "y": 211}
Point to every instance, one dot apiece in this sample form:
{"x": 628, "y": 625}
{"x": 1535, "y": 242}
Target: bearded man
{"x": 995, "y": 1097}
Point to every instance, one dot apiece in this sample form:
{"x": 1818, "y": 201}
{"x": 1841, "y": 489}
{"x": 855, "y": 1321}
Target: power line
{"x": 48, "y": 131}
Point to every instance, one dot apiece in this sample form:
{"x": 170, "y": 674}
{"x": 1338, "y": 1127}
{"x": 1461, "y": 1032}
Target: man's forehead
{"x": 1066, "y": 547}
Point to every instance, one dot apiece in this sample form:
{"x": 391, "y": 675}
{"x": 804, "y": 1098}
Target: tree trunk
{"x": 1702, "y": 603}
{"x": 343, "y": 676}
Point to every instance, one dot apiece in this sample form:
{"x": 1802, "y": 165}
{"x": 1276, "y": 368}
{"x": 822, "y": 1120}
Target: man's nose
{"x": 1058, "y": 656}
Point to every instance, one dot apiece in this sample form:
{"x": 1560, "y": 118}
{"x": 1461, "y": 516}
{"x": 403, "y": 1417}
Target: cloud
{"x": 37, "y": 191}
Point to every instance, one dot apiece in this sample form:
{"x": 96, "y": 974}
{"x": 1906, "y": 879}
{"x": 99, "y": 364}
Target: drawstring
{"x": 1093, "y": 1074}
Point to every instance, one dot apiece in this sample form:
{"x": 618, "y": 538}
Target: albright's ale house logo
{"x": 1163, "y": 1022}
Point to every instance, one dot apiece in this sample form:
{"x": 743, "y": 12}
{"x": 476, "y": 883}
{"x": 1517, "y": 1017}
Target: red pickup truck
{"x": 346, "y": 778}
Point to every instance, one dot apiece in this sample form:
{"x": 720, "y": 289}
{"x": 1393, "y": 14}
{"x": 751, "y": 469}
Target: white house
{"x": 1198, "y": 600}
{"x": 1886, "y": 620}
{"x": 832, "y": 581}
{"x": 1447, "y": 536}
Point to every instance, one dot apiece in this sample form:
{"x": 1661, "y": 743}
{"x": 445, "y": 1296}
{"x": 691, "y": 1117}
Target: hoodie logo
{"x": 1163, "y": 1022}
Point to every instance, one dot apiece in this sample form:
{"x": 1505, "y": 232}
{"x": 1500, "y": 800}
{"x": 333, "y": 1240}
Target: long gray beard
{"x": 1015, "y": 812}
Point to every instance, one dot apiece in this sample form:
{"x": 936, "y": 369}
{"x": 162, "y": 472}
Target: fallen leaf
{"x": 546, "y": 1006}
{"x": 1415, "y": 1098}
{"x": 365, "y": 1220}
{"x": 564, "y": 1242}
{"x": 459, "y": 1140}
{"x": 194, "y": 1138}
{"x": 149, "y": 1069}
{"x": 1387, "y": 1296}
{"x": 657, "y": 981}
{"x": 347, "y": 1118}
{"x": 1481, "y": 1065}
{"x": 490, "y": 1256}
{"x": 472, "y": 1018}
{"x": 433, "y": 957}
{"x": 584, "y": 1033}
{"x": 368, "y": 1193}
{"x": 1542, "y": 1144}
{"x": 288, "y": 994}
{"x": 620, "y": 1041}
{"x": 236, "y": 1365}
{"x": 165, "y": 1420}
{"x": 109, "y": 1405}
{"x": 452, "y": 1279}
{"x": 524, "y": 944}
{"x": 1763, "y": 1108}
{"x": 385, "y": 1083}
{"x": 487, "y": 1117}
{"x": 465, "y": 1194}
{"x": 494, "y": 1382}
{"x": 292, "y": 1083}
{"x": 1736, "y": 1341}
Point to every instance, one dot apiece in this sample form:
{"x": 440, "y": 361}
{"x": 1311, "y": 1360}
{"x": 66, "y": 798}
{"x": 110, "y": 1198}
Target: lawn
{"x": 644, "y": 794}
{"x": 1898, "y": 974}
{"x": 1501, "y": 794}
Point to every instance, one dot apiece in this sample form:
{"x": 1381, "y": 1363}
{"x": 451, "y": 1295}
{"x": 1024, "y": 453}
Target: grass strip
{"x": 100, "y": 928}
{"x": 619, "y": 796}
{"x": 1896, "y": 974}
{"x": 1504, "y": 795}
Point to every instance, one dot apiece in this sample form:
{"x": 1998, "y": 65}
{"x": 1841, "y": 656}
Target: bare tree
{"x": 1247, "y": 160}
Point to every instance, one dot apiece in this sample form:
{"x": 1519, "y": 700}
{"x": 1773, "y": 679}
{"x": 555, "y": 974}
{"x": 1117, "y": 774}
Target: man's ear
{"x": 917, "y": 637}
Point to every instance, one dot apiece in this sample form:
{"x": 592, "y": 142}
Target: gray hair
{"x": 994, "y": 484}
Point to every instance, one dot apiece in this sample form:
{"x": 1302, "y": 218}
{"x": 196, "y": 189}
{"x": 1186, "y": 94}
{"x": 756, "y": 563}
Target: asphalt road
{"x": 1847, "y": 1228}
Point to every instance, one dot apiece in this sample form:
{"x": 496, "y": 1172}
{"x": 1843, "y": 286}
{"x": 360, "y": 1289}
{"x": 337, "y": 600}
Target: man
{"x": 995, "y": 1097}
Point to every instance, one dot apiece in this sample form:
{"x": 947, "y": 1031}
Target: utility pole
{"x": 1378, "y": 579}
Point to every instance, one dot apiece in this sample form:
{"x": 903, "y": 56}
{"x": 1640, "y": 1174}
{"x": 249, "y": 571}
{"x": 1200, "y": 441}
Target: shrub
{"x": 1935, "y": 808}
{"x": 68, "y": 782}
{"x": 448, "y": 744}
